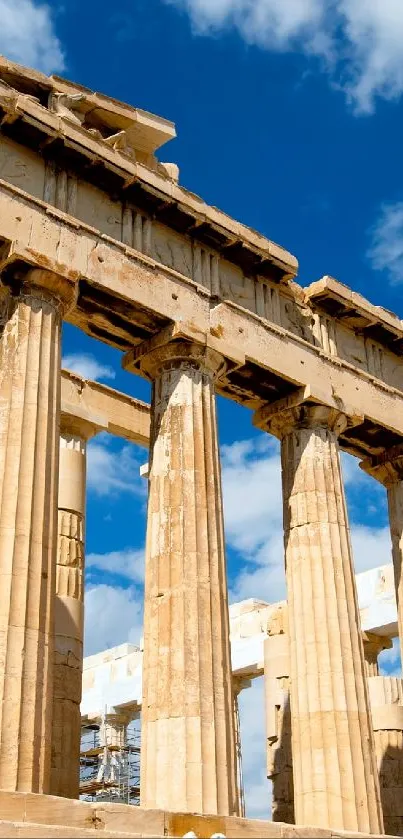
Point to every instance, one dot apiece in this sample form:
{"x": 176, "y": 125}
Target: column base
{"x": 26, "y": 815}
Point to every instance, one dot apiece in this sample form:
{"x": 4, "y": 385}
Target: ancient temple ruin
{"x": 94, "y": 230}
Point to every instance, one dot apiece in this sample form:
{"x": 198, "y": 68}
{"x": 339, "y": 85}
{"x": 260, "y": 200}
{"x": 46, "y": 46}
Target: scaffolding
{"x": 110, "y": 771}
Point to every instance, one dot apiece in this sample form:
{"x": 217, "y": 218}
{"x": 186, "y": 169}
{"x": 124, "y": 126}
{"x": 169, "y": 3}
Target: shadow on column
{"x": 281, "y": 769}
{"x": 391, "y": 784}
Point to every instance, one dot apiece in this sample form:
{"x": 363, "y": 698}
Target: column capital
{"x": 80, "y": 423}
{"x": 386, "y": 467}
{"x": 375, "y": 644}
{"x": 306, "y": 407}
{"x": 281, "y": 420}
{"x": 240, "y": 683}
{"x": 58, "y": 290}
{"x": 153, "y": 357}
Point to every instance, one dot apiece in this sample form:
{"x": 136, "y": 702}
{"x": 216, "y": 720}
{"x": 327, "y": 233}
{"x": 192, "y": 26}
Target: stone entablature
{"x": 307, "y": 315}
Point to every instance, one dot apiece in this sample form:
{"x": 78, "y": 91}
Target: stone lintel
{"x": 27, "y": 815}
{"x": 123, "y": 415}
{"x": 80, "y": 422}
{"x": 386, "y": 467}
{"x": 305, "y": 408}
{"x": 143, "y": 358}
{"x": 24, "y": 269}
{"x": 353, "y": 309}
{"x": 145, "y": 133}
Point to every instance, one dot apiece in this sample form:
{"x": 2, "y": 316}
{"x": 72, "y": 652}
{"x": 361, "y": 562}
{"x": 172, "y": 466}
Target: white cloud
{"x": 371, "y": 547}
{"x": 253, "y": 512}
{"x": 389, "y": 660}
{"x": 358, "y": 41}
{"x": 127, "y": 563}
{"x": 253, "y": 740}
{"x": 112, "y": 616}
{"x": 386, "y": 251}
{"x": 111, "y": 471}
{"x": 87, "y": 365}
{"x": 27, "y": 35}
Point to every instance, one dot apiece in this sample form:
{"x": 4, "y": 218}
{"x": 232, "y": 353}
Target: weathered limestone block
{"x": 29, "y": 459}
{"x": 386, "y": 694}
{"x": 188, "y": 740}
{"x": 278, "y": 726}
{"x": 69, "y": 605}
{"x": 388, "y": 469}
{"x": 373, "y": 646}
{"x": 335, "y": 783}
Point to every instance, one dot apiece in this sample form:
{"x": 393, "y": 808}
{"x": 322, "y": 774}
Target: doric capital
{"x": 151, "y": 358}
{"x": 79, "y": 423}
{"x": 375, "y": 644}
{"x": 387, "y": 467}
{"x": 281, "y": 420}
{"x": 46, "y": 285}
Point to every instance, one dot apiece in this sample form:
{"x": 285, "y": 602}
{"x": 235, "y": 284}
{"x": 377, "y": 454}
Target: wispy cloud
{"x": 87, "y": 365}
{"x": 111, "y": 471}
{"x": 112, "y": 616}
{"x": 128, "y": 563}
{"x": 389, "y": 660}
{"x": 27, "y": 35}
{"x": 358, "y": 42}
{"x": 386, "y": 250}
{"x": 253, "y": 728}
{"x": 254, "y": 518}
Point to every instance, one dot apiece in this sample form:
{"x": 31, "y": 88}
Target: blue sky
{"x": 290, "y": 118}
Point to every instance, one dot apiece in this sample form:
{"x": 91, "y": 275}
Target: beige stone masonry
{"x": 388, "y": 469}
{"x": 278, "y": 726}
{"x": 121, "y": 414}
{"x": 38, "y": 816}
{"x": 386, "y": 694}
{"x": 29, "y": 460}
{"x": 335, "y": 783}
{"x": 373, "y": 646}
{"x": 69, "y": 603}
{"x": 188, "y": 739}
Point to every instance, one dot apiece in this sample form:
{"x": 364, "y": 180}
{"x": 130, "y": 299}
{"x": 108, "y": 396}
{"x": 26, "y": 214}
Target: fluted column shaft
{"x": 188, "y": 741}
{"x": 387, "y": 468}
{"x": 69, "y": 607}
{"x": 29, "y": 459}
{"x": 395, "y": 506}
{"x": 278, "y": 725}
{"x": 386, "y": 697}
{"x": 335, "y": 780}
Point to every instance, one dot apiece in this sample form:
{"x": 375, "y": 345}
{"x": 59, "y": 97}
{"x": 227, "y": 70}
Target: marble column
{"x": 278, "y": 726}
{"x": 387, "y": 468}
{"x": 29, "y": 465}
{"x": 239, "y": 684}
{"x": 188, "y": 760}
{"x": 386, "y": 696}
{"x": 69, "y": 604}
{"x": 335, "y": 778}
{"x": 373, "y": 646}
